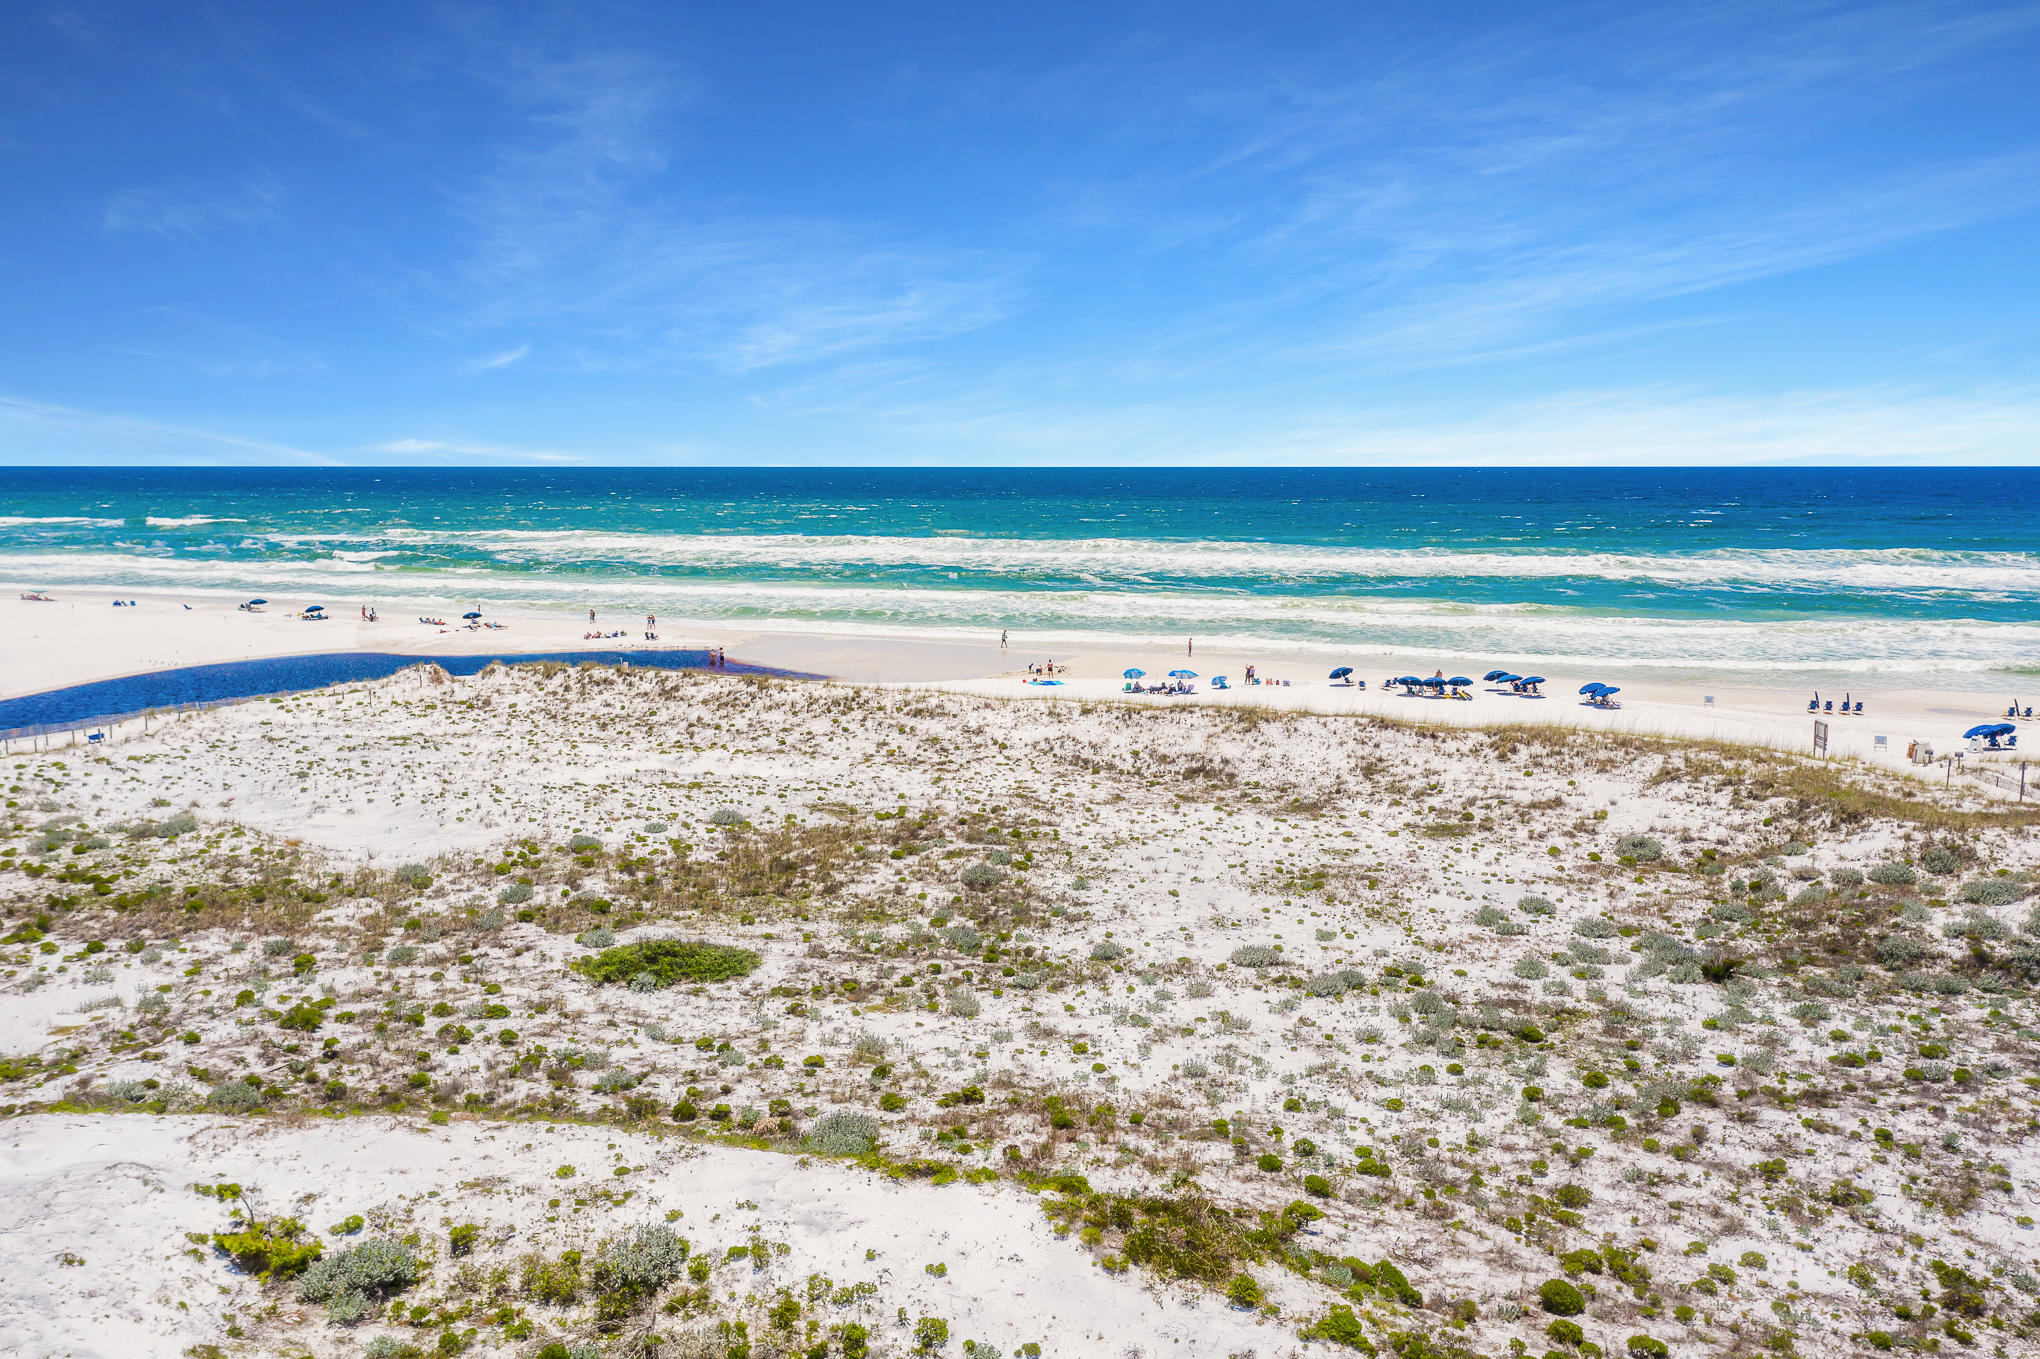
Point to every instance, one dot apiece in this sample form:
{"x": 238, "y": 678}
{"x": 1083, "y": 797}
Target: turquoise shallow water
{"x": 1887, "y": 577}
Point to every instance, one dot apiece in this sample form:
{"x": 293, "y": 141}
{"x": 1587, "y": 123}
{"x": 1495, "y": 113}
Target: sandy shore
{"x": 82, "y": 637}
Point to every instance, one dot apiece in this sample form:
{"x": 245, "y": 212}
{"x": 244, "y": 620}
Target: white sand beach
{"x": 82, "y": 637}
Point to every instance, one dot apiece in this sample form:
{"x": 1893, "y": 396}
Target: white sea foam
{"x": 25, "y": 520}
{"x": 1523, "y": 633}
{"x": 187, "y": 520}
{"x": 1991, "y": 575}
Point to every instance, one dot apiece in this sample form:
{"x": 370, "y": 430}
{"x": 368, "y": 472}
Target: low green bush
{"x": 668, "y": 961}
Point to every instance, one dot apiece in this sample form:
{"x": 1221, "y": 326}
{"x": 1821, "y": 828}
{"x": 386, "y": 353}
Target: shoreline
{"x": 58, "y": 645}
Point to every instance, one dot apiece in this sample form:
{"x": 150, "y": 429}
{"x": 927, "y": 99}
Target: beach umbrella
{"x": 1435, "y": 682}
{"x": 1608, "y": 689}
{"x": 1593, "y": 687}
{"x": 1182, "y": 674}
{"x": 1533, "y": 679}
{"x": 258, "y": 601}
{"x": 1490, "y": 677}
{"x": 1459, "y": 681}
{"x": 1341, "y": 672}
{"x": 1136, "y": 674}
{"x": 1987, "y": 729}
{"x": 1506, "y": 678}
{"x": 1409, "y": 679}
{"x": 315, "y": 608}
{"x": 474, "y": 614}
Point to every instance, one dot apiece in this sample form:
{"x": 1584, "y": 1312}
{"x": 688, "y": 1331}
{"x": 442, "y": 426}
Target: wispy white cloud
{"x": 454, "y": 450}
{"x": 37, "y": 432}
{"x": 192, "y": 214}
{"x": 581, "y": 224}
{"x": 502, "y": 360}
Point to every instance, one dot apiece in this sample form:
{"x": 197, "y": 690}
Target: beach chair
{"x": 1219, "y": 682}
{"x": 2029, "y": 713}
{"x": 1858, "y": 709}
{"x": 1830, "y": 706}
{"x": 1813, "y": 705}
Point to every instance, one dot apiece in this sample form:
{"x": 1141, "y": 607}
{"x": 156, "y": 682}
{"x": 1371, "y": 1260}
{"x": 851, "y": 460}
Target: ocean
{"x": 1888, "y": 577}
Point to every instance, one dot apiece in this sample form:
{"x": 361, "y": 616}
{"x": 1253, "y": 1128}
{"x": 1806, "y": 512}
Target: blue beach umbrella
{"x": 1506, "y": 678}
{"x": 258, "y": 601}
{"x": 1987, "y": 729}
{"x": 1135, "y": 674}
{"x": 1341, "y": 672}
{"x": 472, "y": 614}
{"x": 1490, "y": 677}
{"x": 1533, "y": 679}
{"x": 315, "y": 608}
{"x": 1459, "y": 681}
{"x": 1594, "y": 687}
{"x": 1182, "y": 674}
{"x": 1608, "y": 689}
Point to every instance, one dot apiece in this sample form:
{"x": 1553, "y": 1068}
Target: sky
{"x": 821, "y": 234}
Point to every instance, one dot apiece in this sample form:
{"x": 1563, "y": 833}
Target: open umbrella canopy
{"x": 315, "y": 608}
{"x": 1504, "y": 677}
{"x": 1490, "y": 677}
{"x": 1182, "y": 674}
{"x": 1341, "y": 672}
{"x": 258, "y": 601}
{"x": 1409, "y": 679}
{"x": 472, "y": 613}
{"x": 1459, "y": 681}
{"x": 1990, "y": 729}
{"x": 1608, "y": 689}
{"x": 1533, "y": 679}
{"x": 1135, "y": 674}
{"x": 1593, "y": 687}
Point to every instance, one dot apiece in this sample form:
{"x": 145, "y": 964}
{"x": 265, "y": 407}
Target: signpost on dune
{"x": 1820, "y": 738}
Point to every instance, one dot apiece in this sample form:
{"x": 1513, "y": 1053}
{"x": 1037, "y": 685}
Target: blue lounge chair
{"x": 1218, "y": 682}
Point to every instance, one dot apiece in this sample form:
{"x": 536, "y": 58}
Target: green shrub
{"x": 1565, "y": 1332}
{"x": 1244, "y": 1291}
{"x": 1269, "y": 1162}
{"x": 236, "y": 1097}
{"x": 461, "y": 1240}
{"x": 1941, "y": 862}
{"x": 1560, "y": 1298}
{"x": 1255, "y": 955}
{"x": 930, "y": 1333}
{"x": 516, "y": 894}
{"x": 1641, "y": 848}
{"x": 842, "y": 1133}
{"x": 1644, "y": 1347}
{"x": 1894, "y": 875}
{"x": 277, "y": 1249}
{"x": 1317, "y": 1185}
{"x": 1339, "y": 1327}
{"x": 1107, "y": 952}
{"x": 982, "y": 877}
{"x": 360, "y": 1275}
{"x": 668, "y": 961}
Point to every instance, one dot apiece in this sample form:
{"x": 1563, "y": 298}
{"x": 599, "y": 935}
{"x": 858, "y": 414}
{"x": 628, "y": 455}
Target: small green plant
{"x": 1244, "y": 1290}
{"x": 1560, "y": 1298}
{"x": 668, "y": 961}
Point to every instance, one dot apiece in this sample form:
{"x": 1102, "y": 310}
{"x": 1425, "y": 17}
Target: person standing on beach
{"x": 1002, "y": 639}
{"x": 1190, "y": 647}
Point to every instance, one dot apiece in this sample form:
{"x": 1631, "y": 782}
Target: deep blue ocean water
{"x": 1886, "y": 576}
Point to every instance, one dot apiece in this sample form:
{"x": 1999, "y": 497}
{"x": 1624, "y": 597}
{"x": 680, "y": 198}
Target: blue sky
{"x": 817, "y": 233}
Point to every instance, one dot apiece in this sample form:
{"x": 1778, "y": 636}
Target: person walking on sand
{"x": 591, "y": 615}
{"x": 1002, "y": 639}
{"x": 1190, "y": 647}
